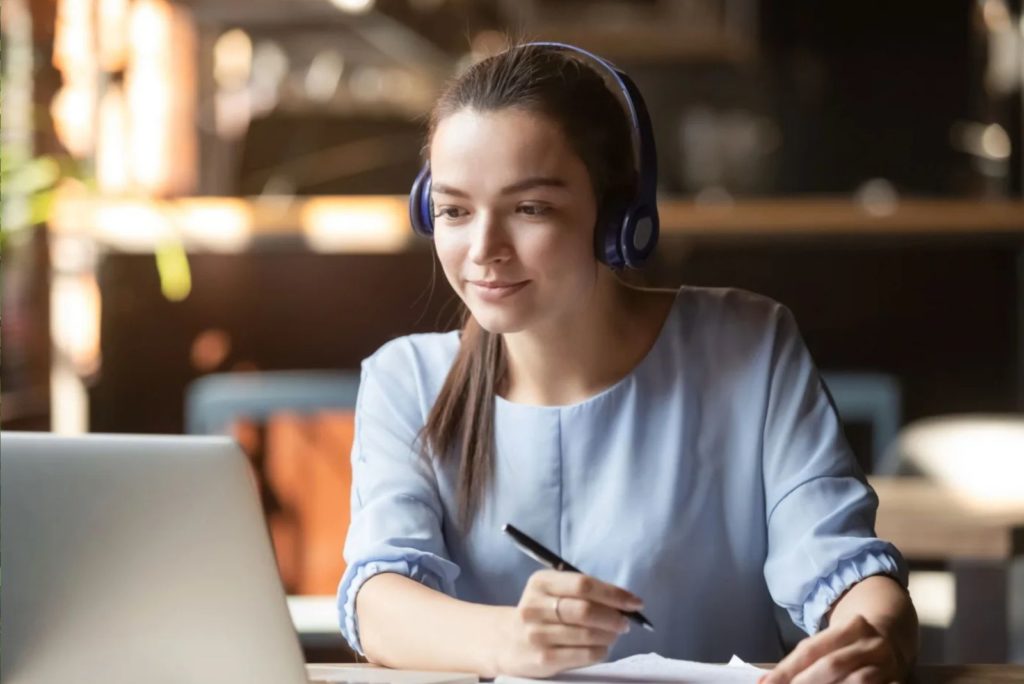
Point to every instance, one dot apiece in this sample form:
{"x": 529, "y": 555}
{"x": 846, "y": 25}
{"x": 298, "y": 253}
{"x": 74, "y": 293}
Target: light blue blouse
{"x": 713, "y": 481}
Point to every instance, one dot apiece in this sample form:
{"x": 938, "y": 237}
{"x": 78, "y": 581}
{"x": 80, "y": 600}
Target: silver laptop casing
{"x": 137, "y": 559}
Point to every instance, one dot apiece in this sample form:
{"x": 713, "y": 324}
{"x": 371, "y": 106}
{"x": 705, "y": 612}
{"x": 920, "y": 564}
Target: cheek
{"x": 538, "y": 250}
{"x": 450, "y": 253}
{"x": 563, "y": 251}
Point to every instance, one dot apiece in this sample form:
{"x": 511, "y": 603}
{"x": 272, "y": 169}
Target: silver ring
{"x": 557, "y": 614}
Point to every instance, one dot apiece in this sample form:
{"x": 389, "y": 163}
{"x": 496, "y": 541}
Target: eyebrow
{"x": 525, "y": 184}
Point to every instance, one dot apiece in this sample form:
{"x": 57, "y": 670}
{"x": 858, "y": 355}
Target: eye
{"x": 533, "y": 209}
{"x": 449, "y": 212}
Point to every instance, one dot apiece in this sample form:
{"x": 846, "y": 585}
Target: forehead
{"x": 470, "y": 146}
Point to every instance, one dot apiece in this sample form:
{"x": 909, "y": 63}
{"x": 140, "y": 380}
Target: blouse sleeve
{"x": 820, "y": 509}
{"x": 396, "y": 510}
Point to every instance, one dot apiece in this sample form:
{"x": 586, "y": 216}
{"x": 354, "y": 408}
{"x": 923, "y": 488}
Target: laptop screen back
{"x": 138, "y": 558}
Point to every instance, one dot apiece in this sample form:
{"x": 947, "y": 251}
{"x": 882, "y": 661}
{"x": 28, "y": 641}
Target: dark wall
{"x": 279, "y": 309}
{"x": 870, "y": 89}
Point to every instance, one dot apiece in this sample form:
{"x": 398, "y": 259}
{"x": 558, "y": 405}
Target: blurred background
{"x": 204, "y": 229}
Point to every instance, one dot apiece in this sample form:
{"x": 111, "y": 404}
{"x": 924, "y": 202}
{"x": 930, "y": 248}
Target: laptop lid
{"x": 137, "y": 558}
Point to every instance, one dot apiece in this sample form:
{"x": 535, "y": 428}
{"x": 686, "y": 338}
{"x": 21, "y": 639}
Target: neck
{"x": 567, "y": 360}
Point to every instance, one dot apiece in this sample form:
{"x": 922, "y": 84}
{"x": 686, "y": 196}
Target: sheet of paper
{"x": 370, "y": 674}
{"x": 651, "y": 667}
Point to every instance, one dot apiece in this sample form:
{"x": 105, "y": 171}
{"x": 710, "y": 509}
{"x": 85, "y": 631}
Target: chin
{"x": 496, "y": 321}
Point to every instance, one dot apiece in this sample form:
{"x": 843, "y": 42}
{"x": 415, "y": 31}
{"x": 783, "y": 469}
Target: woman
{"x": 674, "y": 445}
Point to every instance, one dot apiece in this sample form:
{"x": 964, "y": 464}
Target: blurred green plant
{"x": 173, "y": 270}
{"x": 28, "y": 185}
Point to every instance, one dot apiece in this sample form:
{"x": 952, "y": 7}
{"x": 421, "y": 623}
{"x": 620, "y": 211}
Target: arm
{"x": 886, "y": 606}
{"x": 396, "y": 599}
{"x": 397, "y": 512}
{"x": 872, "y": 636}
{"x": 825, "y": 565}
{"x": 405, "y": 624}
{"x": 564, "y": 620}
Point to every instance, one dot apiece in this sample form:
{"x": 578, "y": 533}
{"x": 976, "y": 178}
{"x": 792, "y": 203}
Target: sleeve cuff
{"x": 849, "y": 571}
{"x": 415, "y": 566}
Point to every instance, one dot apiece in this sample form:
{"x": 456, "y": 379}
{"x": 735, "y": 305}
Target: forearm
{"x": 887, "y": 607}
{"x": 407, "y": 625}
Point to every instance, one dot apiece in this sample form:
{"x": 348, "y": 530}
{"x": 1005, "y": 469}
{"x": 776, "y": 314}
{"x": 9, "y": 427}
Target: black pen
{"x": 550, "y": 559}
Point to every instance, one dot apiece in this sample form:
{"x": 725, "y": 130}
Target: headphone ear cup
{"x": 607, "y": 234}
{"x": 420, "y": 215}
{"x": 639, "y": 235}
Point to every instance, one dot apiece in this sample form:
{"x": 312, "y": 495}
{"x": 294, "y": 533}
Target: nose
{"x": 489, "y": 242}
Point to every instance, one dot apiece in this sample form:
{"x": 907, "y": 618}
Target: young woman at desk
{"x": 675, "y": 445}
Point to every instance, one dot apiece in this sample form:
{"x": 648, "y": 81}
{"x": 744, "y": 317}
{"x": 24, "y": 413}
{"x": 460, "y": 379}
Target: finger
{"x": 840, "y": 664}
{"x": 867, "y": 675}
{"x": 561, "y": 658}
{"x": 573, "y": 611}
{"x": 582, "y": 586}
{"x": 537, "y": 608}
{"x": 812, "y": 648}
{"x": 554, "y": 635}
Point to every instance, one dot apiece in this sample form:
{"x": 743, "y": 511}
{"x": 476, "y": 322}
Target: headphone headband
{"x": 628, "y": 235}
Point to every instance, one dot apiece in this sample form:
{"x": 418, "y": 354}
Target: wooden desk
{"x": 982, "y": 544}
{"x": 926, "y": 674}
{"x": 968, "y": 674}
{"x": 964, "y": 674}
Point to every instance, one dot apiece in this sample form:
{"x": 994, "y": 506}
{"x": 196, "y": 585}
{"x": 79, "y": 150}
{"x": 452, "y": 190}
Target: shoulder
{"x": 726, "y": 343}
{"x": 412, "y": 368}
{"x": 737, "y": 333}
{"x": 731, "y": 311}
{"x": 423, "y": 351}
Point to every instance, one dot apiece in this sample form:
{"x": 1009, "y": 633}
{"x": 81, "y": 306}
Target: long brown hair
{"x": 556, "y": 84}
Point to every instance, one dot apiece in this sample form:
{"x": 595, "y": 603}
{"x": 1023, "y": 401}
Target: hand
{"x": 564, "y": 620}
{"x": 853, "y": 653}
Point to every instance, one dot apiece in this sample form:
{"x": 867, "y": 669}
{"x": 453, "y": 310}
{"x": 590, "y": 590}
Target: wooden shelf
{"x": 379, "y": 223}
{"x": 837, "y": 216}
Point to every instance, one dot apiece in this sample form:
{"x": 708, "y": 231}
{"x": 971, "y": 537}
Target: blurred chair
{"x": 297, "y": 428}
{"x": 213, "y": 401}
{"x": 872, "y": 398}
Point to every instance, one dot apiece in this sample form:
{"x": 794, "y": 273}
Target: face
{"x": 514, "y": 215}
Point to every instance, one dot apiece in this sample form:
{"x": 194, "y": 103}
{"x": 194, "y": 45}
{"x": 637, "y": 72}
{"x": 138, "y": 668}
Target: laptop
{"x": 145, "y": 559}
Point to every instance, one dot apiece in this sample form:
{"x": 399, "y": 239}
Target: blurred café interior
{"x": 205, "y": 230}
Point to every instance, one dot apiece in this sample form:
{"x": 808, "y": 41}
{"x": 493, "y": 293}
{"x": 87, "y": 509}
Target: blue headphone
{"x": 628, "y": 232}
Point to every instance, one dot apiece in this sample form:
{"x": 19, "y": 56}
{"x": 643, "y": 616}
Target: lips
{"x": 496, "y": 290}
{"x": 497, "y": 284}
